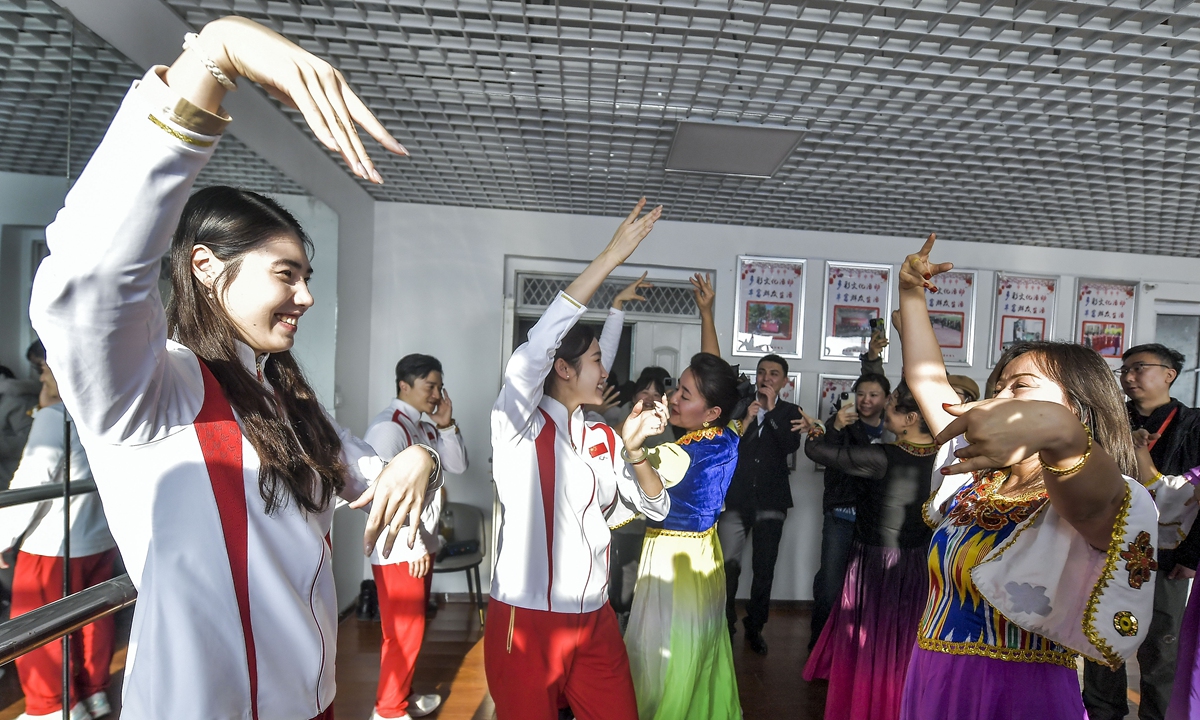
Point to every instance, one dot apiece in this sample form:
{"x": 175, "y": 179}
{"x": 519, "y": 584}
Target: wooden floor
{"x": 451, "y": 664}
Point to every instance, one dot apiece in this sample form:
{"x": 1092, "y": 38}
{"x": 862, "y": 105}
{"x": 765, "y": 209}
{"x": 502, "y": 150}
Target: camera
{"x": 837, "y": 404}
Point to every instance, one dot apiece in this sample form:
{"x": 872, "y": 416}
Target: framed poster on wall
{"x": 791, "y": 393}
{"x": 829, "y": 394}
{"x": 1104, "y": 313}
{"x": 952, "y": 313}
{"x": 855, "y": 294}
{"x": 768, "y": 312}
{"x": 1024, "y": 311}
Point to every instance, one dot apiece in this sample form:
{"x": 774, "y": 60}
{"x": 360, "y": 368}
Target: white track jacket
{"x": 559, "y": 478}
{"x": 236, "y": 617}
{"x": 390, "y": 433}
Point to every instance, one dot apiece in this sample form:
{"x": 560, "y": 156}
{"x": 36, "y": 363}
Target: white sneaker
{"x": 422, "y": 705}
{"x": 79, "y": 712}
{"x": 418, "y": 706}
{"x": 98, "y": 705}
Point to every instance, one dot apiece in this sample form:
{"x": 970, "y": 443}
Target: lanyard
{"x": 1163, "y": 428}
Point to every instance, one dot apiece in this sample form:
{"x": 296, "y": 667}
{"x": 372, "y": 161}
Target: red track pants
{"x": 535, "y": 660}
{"x": 37, "y": 581}
{"x": 402, "y": 601}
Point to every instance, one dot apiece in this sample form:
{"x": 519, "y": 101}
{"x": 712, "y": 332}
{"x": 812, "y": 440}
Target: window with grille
{"x": 670, "y": 299}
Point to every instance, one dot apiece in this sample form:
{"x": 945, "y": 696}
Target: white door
{"x": 665, "y": 344}
{"x": 1177, "y": 325}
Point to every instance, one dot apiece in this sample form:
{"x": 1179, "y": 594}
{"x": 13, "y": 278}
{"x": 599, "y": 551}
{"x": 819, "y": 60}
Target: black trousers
{"x": 732, "y": 530}
{"x": 1104, "y": 690}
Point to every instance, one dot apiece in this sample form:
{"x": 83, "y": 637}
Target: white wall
{"x": 438, "y": 288}
{"x": 27, "y": 204}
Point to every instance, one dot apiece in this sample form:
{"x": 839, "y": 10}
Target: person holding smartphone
{"x": 856, "y": 423}
{"x": 421, "y": 412}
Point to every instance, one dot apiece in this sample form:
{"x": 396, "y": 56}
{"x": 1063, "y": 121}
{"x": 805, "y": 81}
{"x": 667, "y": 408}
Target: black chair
{"x": 468, "y": 525}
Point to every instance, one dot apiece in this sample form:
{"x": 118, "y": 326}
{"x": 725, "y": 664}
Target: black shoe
{"x": 755, "y": 640}
{"x": 368, "y": 601}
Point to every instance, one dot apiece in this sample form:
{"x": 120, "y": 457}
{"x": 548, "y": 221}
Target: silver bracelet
{"x": 191, "y": 41}
{"x": 437, "y": 461}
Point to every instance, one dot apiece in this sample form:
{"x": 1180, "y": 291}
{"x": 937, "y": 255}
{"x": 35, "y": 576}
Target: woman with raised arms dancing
{"x": 217, "y": 467}
{"x": 1042, "y": 549}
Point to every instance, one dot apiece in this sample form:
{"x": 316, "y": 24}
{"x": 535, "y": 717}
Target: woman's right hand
{"x": 643, "y": 423}
{"x": 917, "y": 271}
{"x": 243, "y": 48}
{"x": 845, "y": 417}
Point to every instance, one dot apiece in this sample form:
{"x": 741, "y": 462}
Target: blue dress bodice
{"x": 697, "y": 499}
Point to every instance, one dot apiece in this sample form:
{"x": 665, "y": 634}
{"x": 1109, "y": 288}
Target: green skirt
{"x": 678, "y": 640}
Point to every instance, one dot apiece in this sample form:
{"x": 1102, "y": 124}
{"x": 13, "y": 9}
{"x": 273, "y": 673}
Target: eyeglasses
{"x": 1138, "y": 368}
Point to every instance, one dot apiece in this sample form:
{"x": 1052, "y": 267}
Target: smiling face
{"x": 647, "y": 395}
{"x": 689, "y": 410}
{"x": 1023, "y": 379}
{"x": 268, "y": 293}
{"x": 424, "y": 394}
{"x": 581, "y": 383}
{"x": 869, "y": 400}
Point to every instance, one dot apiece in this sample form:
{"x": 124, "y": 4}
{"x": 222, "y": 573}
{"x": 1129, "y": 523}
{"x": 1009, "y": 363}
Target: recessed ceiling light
{"x": 731, "y": 149}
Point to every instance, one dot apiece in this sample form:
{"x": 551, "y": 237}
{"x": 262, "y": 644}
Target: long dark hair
{"x": 297, "y": 440}
{"x": 1092, "y": 392}
{"x": 717, "y": 382}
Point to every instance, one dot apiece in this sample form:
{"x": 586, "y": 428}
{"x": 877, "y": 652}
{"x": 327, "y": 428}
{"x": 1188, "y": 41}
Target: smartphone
{"x": 845, "y": 396}
{"x": 670, "y": 383}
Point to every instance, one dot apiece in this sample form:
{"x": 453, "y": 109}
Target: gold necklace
{"x": 997, "y": 478}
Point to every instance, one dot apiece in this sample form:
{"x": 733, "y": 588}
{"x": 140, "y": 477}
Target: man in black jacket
{"x": 759, "y": 497}
{"x": 1147, "y": 372}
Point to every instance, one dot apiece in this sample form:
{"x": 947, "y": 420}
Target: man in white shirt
{"x": 404, "y": 577}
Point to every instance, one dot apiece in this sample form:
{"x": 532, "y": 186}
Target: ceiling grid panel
{"x": 1071, "y": 124}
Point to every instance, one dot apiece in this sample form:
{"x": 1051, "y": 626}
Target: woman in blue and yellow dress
{"x": 679, "y": 651}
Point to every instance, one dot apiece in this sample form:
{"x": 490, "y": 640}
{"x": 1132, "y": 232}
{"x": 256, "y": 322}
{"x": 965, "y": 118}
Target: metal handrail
{"x": 39, "y": 493}
{"x": 63, "y": 617}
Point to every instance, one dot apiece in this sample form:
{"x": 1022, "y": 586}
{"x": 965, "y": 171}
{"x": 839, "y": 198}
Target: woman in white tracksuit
{"x": 217, "y": 467}
{"x": 37, "y": 580}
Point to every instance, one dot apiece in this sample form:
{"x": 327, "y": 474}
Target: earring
{"x": 706, "y": 423}
{"x": 905, "y": 432}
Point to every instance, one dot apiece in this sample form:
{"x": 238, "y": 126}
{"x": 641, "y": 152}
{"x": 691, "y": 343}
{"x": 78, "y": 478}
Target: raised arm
{"x": 628, "y": 236}
{"x": 703, "y": 290}
{"x": 614, "y": 324}
{"x": 924, "y": 368}
{"x": 531, "y": 363}
{"x": 95, "y": 302}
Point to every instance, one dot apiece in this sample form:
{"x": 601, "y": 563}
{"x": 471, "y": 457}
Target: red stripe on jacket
{"x": 547, "y": 471}
{"x": 221, "y": 442}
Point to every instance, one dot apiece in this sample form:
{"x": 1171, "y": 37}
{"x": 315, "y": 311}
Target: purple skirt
{"x": 941, "y": 685}
{"x": 1185, "y": 698}
{"x": 866, "y": 644}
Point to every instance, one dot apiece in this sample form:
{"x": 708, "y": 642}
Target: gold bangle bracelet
{"x": 1087, "y": 453}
